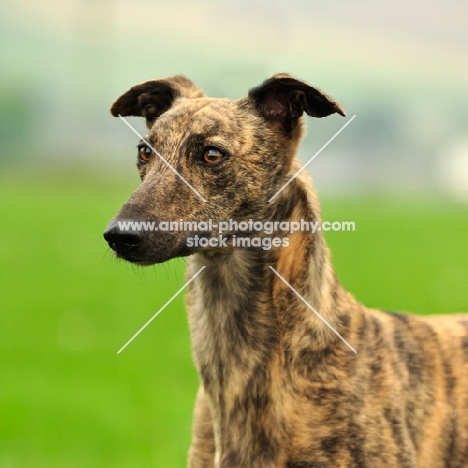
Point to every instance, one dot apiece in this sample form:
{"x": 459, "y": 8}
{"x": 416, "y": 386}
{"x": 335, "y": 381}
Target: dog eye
{"x": 144, "y": 153}
{"x": 212, "y": 156}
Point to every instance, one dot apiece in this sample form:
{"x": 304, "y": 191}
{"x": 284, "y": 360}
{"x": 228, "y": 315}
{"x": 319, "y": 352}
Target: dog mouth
{"x": 145, "y": 249}
{"x": 133, "y": 257}
{"x": 147, "y": 257}
{"x": 153, "y": 253}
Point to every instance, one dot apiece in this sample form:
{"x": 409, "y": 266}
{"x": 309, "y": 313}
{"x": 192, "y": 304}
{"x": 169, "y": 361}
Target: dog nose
{"x": 122, "y": 241}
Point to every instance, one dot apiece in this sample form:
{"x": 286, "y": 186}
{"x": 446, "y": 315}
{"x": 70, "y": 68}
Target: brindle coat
{"x": 278, "y": 388}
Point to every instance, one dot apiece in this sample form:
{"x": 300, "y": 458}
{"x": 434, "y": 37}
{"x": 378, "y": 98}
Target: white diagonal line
{"x": 161, "y": 309}
{"x": 165, "y": 162}
{"x": 312, "y": 158}
{"x": 311, "y": 308}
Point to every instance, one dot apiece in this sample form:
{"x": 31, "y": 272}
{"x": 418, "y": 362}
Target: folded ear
{"x": 152, "y": 98}
{"x": 284, "y": 99}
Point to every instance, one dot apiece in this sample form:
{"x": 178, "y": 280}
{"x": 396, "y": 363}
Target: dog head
{"x": 205, "y": 158}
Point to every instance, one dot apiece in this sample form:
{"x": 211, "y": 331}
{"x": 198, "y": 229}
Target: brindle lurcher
{"x": 278, "y": 388}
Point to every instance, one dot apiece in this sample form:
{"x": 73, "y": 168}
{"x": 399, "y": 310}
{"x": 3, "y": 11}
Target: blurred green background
{"x": 400, "y": 171}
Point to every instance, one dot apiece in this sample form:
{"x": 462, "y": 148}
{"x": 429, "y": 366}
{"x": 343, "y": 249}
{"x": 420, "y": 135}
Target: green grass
{"x": 406, "y": 256}
{"x": 68, "y": 400}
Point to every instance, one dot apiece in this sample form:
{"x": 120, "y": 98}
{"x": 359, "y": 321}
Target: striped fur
{"x": 278, "y": 388}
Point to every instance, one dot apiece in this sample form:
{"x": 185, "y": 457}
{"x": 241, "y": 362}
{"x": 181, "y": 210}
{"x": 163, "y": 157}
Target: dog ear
{"x": 284, "y": 99}
{"x": 152, "y": 98}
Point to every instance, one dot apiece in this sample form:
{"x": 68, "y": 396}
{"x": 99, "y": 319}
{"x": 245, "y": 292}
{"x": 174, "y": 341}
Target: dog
{"x": 280, "y": 387}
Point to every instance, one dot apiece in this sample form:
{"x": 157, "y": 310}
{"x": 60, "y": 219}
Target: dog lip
{"x": 146, "y": 257}
{"x": 132, "y": 258}
{"x": 122, "y": 249}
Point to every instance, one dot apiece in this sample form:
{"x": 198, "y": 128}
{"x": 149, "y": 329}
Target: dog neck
{"x": 244, "y": 316}
{"x": 245, "y": 293}
{"x": 253, "y": 337}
